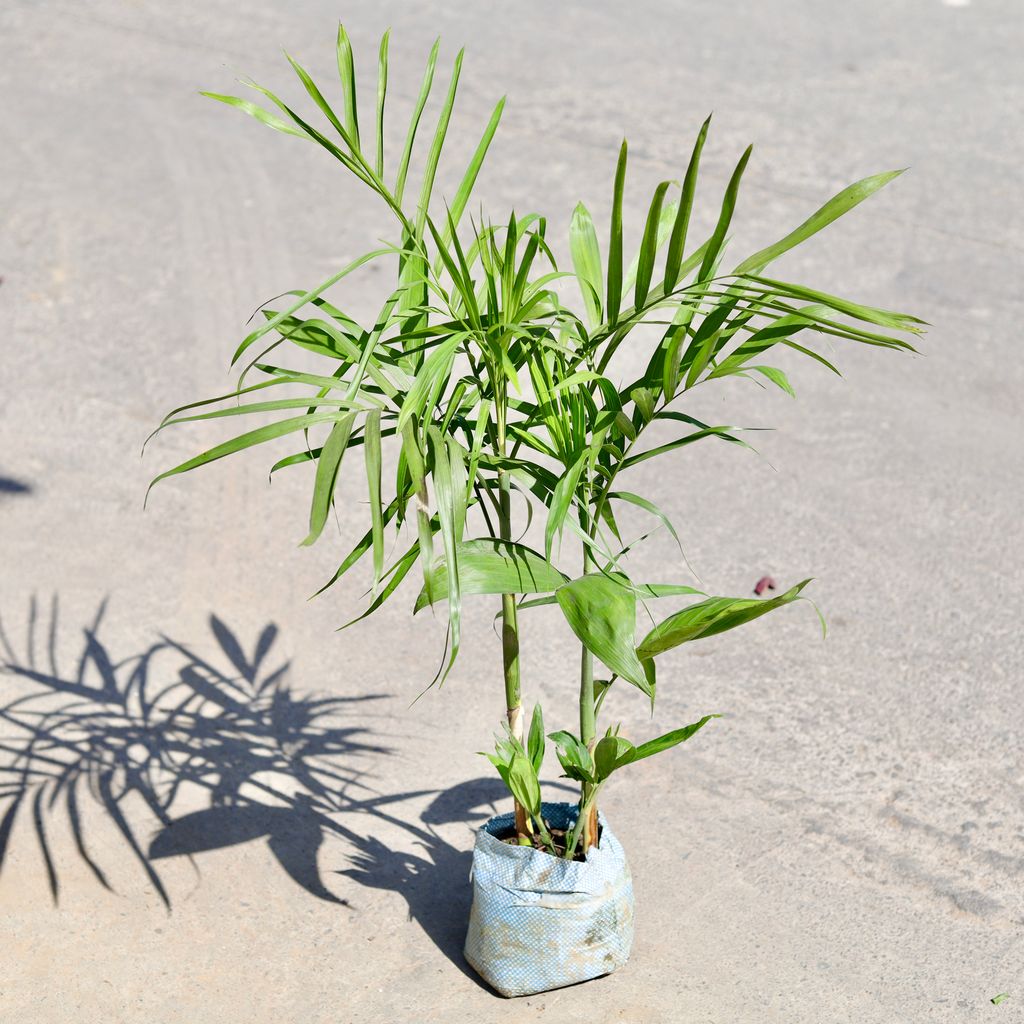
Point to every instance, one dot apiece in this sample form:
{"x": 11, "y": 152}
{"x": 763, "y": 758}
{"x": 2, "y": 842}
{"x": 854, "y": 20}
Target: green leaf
{"x": 286, "y": 378}
{"x": 414, "y": 462}
{"x": 643, "y": 399}
{"x": 649, "y": 246}
{"x": 436, "y": 367}
{"x": 491, "y": 566}
{"x": 648, "y": 506}
{"x": 697, "y": 435}
{"x": 465, "y": 188}
{"x": 479, "y": 436}
{"x": 319, "y": 100}
{"x": 414, "y": 121}
{"x": 710, "y": 617}
{"x": 765, "y": 338}
{"x": 586, "y": 261}
{"x": 327, "y": 467}
{"x": 261, "y": 115}
{"x": 278, "y": 318}
{"x": 678, "y": 334}
{"x": 789, "y": 343}
{"x": 535, "y": 739}
{"x": 615, "y": 241}
{"x": 714, "y": 331}
{"x": 666, "y": 590}
{"x": 839, "y": 204}
{"x": 868, "y": 314}
{"x": 665, "y": 222}
{"x": 574, "y": 757}
{"x": 602, "y": 613}
{"x": 714, "y": 248}
{"x": 460, "y": 484}
{"x": 459, "y": 275}
{"x": 776, "y": 376}
{"x": 1001, "y": 998}
{"x": 467, "y": 291}
{"x": 625, "y": 424}
{"x": 434, "y": 154}
{"x": 501, "y": 765}
{"x": 248, "y": 440}
{"x": 382, "y": 89}
{"x": 373, "y": 459}
{"x": 310, "y": 403}
{"x": 354, "y": 164}
{"x": 394, "y": 576}
{"x": 612, "y": 752}
{"x": 450, "y": 490}
{"x": 574, "y": 379}
{"x": 361, "y": 547}
{"x": 677, "y": 242}
{"x": 561, "y": 502}
{"x": 316, "y": 380}
{"x": 347, "y": 73}
{"x": 670, "y": 739}
{"x": 523, "y": 782}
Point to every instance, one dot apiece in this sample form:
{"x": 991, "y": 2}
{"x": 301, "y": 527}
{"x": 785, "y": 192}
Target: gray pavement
{"x": 847, "y": 845}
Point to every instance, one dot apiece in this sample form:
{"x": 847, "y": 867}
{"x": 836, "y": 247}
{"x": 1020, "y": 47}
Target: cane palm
{"x": 487, "y": 381}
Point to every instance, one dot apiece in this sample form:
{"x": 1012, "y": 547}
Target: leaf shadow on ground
{"x": 434, "y": 882}
{"x": 10, "y": 486}
{"x": 209, "y": 740}
{"x": 170, "y": 726}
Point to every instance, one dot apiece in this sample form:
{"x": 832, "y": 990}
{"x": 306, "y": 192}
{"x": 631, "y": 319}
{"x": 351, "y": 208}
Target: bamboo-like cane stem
{"x": 510, "y": 624}
{"x": 588, "y": 727}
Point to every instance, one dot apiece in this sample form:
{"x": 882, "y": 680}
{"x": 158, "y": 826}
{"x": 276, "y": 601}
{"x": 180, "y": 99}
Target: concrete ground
{"x": 847, "y": 845}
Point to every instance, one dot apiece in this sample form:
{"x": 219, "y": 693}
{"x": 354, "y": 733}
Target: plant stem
{"x": 587, "y": 808}
{"x": 545, "y": 836}
{"x": 509, "y": 621}
{"x": 513, "y": 700}
{"x": 588, "y": 729}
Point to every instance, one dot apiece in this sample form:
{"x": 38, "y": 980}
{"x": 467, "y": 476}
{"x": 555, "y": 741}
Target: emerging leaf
{"x": 535, "y": 739}
{"x": 523, "y": 782}
{"x": 574, "y": 757}
{"x": 612, "y": 752}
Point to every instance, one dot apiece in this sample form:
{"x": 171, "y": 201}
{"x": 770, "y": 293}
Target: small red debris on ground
{"x": 763, "y": 584}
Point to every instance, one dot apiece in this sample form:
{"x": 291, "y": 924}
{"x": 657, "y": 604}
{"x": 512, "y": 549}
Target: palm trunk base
{"x": 522, "y": 828}
{"x": 515, "y": 727}
{"x": 589, "y": 837}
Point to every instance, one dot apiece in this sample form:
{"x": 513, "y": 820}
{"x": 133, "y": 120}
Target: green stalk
{"x": 545, "y": 836}
{"x": 509, "y": 620}
{"x": 588, "y": 729}
{"x": 586, "y": 823}
{"x": 587, "y": 808}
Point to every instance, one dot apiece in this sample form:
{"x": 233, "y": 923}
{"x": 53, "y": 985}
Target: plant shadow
{"x": 169, "y": 726}
{"x": 8, "y": 486}
{"x": 221, "y": 751}
{"x": 435, "y": 881}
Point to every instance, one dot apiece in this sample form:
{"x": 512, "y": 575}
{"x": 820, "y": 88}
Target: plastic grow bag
{"x": 538, "y": 922}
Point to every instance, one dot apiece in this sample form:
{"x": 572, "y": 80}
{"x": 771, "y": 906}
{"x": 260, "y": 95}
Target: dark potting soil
{"x": 560, "y": 837}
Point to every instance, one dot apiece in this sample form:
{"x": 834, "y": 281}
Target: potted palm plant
{"x": 490, "y": 370}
